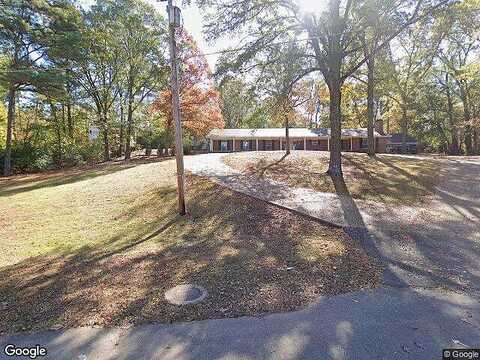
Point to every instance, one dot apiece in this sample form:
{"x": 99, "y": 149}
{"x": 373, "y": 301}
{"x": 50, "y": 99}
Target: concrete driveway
{"x": 427, "y": 246}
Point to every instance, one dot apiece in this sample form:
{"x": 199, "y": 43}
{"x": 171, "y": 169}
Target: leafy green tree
{"x": 459, "y": 57}
{"x": 333, "y": 45}
{"x": 409, "y": 64}
{"x": 375, "y": 28}
{"x": 98, "y": 69}
{"x": 30, "y": 31}
{"x": 281, "y": 85}
{"x": 237, "y": 102}
{"x": 142, "y": 34}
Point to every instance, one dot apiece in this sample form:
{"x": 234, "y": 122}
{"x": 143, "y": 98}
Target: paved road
{"x": 379, "y": 324}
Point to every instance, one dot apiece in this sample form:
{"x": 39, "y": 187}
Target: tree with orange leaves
{"x": 199, "y": 101}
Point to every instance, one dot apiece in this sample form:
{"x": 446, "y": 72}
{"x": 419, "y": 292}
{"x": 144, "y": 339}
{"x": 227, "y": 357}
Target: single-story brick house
{"x": 395, "y": 145}
{"x": 229, "y": 140}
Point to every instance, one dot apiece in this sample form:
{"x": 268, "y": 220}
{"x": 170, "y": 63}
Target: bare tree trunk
{"x": 106, "y": 143}
{"x": 122, "y": 121}
{"x": 445, "y": 143}
{"x": 129, "y": 132}
{"x": 454, "y": 147}
{"x": 335, "y": 165}
{"x": 129, "y": 120}
{"x": 287, "y": 136}
{"x": 467, "y": 120}
{"x": 58, "y": 131}
{"x": 335, "y": 87}
{"x": 370, "y": 106}
{"x": 476, "y": 140}
{"x": 468, "y": 139}
{"x": 404, "y": 130}
{"x": 7, "y": 164}
{"x": 70, "y": 120}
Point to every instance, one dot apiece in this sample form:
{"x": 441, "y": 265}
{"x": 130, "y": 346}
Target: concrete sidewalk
{"x": 384, "y": 323}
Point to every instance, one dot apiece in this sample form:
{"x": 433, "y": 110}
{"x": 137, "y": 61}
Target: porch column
{"x": 211, "y": 145}
{"x": 257, "y": 145}
{"x": 351, "y": 144}
{"x": 328, "y": 143}
{"x": 281, "y": 144}
{"x": 304, "y": 144}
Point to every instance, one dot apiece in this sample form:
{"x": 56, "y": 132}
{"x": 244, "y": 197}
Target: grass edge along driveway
{"x": 387, "y": 179}
{"x": 101, "y": 246}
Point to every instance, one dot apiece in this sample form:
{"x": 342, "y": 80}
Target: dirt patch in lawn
{"x": 252, "y": 257}
{"x": 387, "y": 179}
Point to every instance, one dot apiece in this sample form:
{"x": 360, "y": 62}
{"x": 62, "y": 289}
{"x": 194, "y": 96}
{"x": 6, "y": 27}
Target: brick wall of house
{"x": 345, "y": 145}
{"x": 356, "y": 144}
{"x": 276, "y": 144}
{"x": 217, "y": 148}
{"x": 381, "y": 145}
{"x": 299, "y": 144}
{"x": 261, "y": 145}
{"x": 313, "y": 145}
{"x": 317, "y": 145}
{"x": 251, "y": 147}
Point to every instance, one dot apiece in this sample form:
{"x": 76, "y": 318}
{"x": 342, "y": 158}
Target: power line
{"x": 226, "y": 51}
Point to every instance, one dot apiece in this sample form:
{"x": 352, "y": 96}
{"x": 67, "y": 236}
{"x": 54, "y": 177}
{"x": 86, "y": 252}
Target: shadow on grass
{"x": 253, "y": 258}
{"x": 261, "y": 169}
{"x": 25, "y": 183}
{"x": 366, "y": 178}
{"x": 294, "y": 172}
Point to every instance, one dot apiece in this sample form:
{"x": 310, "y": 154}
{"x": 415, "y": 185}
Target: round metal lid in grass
{"x": 185, "y": 294}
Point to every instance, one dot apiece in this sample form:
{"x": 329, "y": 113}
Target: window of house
{"x": 314, "y": 142}
{"x": 297, "y": 145}
{"x": 268, "y": 144}
{"x": 346, "y": 144}
{"x": 245, "y": 145}
{"x": 223, "y": 145}
{"x": 363, "y": 143}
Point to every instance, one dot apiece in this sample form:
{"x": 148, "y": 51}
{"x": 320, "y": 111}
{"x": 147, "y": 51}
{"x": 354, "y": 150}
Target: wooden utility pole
{"x": 173, "y": 23}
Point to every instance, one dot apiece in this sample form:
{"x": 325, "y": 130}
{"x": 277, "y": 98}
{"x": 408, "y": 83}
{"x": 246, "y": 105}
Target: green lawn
{"x": 102, "y": 245}
{"x": 387, "y": 179}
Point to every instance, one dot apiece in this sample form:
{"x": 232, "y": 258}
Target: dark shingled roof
{"x": 280, "y": 133}
{"x": 397, "y": 139}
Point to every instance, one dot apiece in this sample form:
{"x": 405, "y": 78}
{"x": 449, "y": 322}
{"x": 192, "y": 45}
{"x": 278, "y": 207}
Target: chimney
{"x": 379, "y": 127}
